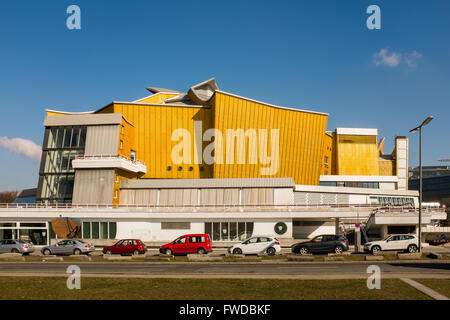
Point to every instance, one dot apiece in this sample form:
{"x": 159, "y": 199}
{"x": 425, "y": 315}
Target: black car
{"x": 326, "y": 243}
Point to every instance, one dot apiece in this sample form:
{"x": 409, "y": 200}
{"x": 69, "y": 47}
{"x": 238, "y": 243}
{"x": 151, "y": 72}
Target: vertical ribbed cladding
{"x": 154, "y": 125}
{"x": 301, "y": 135}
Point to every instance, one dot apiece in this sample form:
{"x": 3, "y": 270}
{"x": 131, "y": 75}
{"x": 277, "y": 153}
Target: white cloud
{"x": 411, "y": 59}
{"x": 383, "y": 58}
{"x": 22, "y": 146}
{"x": 393, "y": 59}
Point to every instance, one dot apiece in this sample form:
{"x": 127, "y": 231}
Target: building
{"x": 211, "y": 161}
{"x": 435, "y": 188}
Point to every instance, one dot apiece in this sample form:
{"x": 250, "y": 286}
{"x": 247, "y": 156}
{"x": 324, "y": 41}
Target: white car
{"x": 395, "y": 242}
{"x": 255, "y": 245}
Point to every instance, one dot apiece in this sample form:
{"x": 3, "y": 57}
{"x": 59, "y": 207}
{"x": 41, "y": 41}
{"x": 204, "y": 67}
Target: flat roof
{"x": 84, "y": 120}
{"x": 357, "y": 131}
{"x": 208, "y": 183}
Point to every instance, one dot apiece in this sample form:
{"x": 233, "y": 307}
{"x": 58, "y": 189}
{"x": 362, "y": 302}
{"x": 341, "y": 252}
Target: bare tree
{"x": 8, "y": 196}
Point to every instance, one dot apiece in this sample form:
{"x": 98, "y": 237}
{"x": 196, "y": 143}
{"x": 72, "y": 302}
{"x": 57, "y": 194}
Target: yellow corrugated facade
{"x": 154, "y": 125}
{"x": 357, "y": 155}
{"x": 305, "y": 149}
{"x": 300, "y": 138}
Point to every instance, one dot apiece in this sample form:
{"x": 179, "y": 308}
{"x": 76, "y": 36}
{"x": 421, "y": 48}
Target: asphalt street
{"x": 328, "y": 270}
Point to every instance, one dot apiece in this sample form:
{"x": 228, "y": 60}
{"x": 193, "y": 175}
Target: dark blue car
{"x": 326, "y": 243}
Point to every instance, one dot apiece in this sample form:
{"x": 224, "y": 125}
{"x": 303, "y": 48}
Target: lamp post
{"x": 419, "y": 128}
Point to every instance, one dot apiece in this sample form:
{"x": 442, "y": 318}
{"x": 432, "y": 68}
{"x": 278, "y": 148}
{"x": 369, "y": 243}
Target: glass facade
{"x": 57, "y": 174}
{"x": 99, "y": 230}
{"x": 229, "y": 231}
{"x": 395, "y": 201}
{"x": 351, "y": 184}
{"x": 34, "y": 232}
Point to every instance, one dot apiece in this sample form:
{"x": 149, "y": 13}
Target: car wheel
{"x": 136, "y": 252}
{"x": 303, "y": 250}
{"x": 375, "y": 249}
{"x": 412, "y": 248}
{"x": 168, "y": 252}
{"x": 15, "y": 250}
{"x": 76, "y": 252}
{"x": 201, "y": 251}
{"x": 338, "y": 250}
{"x": 271, "y": 251}
{"x": 237, "y": 251}
{"x": 47, "y": 252}
{"x": 109, "y": 252}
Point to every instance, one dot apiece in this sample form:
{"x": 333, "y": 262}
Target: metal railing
{"x": 263, "y": 207}
{"x": 109, "y": 156}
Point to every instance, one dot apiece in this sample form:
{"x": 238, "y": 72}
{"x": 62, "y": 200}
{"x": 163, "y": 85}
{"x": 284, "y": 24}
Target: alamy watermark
{"x": 260, "y": 149}
{"x": 74, "y": 280}
{"x": 73, "y": 22}
{"x": 374, "y": 20}
{"x": 374, "y": 280}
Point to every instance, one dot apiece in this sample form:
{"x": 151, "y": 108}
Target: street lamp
{"x": 419, "y": 128}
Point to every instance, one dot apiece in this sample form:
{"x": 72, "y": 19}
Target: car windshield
{"x": 386, "y": 237}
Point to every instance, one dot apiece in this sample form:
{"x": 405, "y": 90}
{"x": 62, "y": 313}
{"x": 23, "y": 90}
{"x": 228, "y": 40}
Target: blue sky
{"x": 315, "y": 55}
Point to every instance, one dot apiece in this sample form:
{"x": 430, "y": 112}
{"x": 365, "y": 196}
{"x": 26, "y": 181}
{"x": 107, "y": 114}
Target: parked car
{"x": 189, "y": 243}
{"x": 255, "y": 245}
{"x": 397, "y": 242}
{"x": 16, "y": 246}
{"x": 68, "y": 247}
{"x": 126, "y": 246}
{"x": 326, "y": 243}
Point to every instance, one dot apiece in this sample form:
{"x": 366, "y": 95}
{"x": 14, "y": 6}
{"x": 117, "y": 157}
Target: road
{"x": 230, "y": 270}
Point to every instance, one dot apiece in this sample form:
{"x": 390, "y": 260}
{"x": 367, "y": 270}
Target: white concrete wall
{"x": 402, "y": 162}
{"x": 267, "y": 228}
{"x": 388, "y": 185}
{"x": 358, "y": 199}
{"x": 283, "y": 196}
{"x": 151, "y": 231}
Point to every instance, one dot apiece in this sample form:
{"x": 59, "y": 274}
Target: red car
{"x": 126, "y": 246}
{"x": 189, "y": 243}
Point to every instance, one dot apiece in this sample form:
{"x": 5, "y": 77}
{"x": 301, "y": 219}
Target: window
{"x": 197, "y": 239}
{"x": 180, "y": 240}
{"x": 327, "y": 183}
{"x": 122, "y": 129}
{"x": 175, "y": 225}
{"x": 103, "y": 230}
{"x": 326, "y": 162}
{"x": 229, "y": 231}
{"x": 86, "y": 230}
{"x": 112, "y": 227}
{"x": 121, "y": 145}
{"x": 133, "y": 155}
{"x": 116, "y": 194}
{"x": 95, "y": 230}
{"x": 252, "y": 240}
{"x": 117, "y": 178}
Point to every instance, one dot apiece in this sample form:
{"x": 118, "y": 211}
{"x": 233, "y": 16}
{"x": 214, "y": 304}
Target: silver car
{"x": 68, "y": 247}
{"x": 16, "y": 246}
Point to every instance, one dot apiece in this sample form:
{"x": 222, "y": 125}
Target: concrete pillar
{"x": 358, "y": 241}
{"x": 336, "y": 226}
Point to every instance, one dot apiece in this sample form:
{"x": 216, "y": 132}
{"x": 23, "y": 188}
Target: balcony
{"x": 109, "y": 162}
